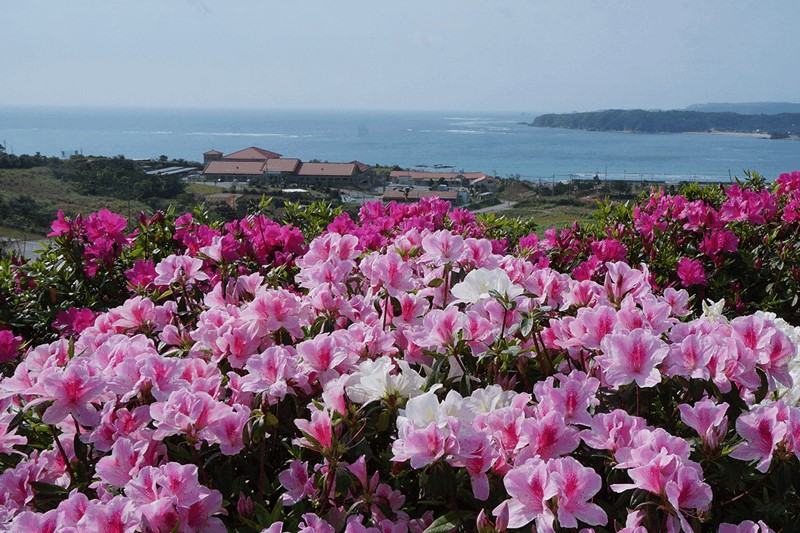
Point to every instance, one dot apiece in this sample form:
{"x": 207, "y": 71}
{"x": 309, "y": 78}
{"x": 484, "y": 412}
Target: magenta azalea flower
{"x": 691, "y": 272}
{"x": 9, "y": 345}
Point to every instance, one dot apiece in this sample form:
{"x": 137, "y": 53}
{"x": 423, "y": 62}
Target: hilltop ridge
{"x": 673, "y": 121}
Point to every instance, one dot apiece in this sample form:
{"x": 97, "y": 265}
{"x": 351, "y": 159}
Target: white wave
{"x": 157, "y": 132}
{"x": 241, "y": 134}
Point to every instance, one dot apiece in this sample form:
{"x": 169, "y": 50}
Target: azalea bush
{"x": 401, "y": 371}
{"x": 738, "y": 244}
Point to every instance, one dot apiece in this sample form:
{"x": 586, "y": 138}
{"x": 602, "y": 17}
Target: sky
{"x": 488, "y": 55}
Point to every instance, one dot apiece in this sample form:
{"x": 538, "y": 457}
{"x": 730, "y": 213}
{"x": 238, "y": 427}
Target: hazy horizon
{"x": 444, "y": 56}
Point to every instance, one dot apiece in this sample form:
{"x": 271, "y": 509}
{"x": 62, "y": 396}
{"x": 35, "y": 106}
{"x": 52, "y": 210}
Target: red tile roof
{"x": 252, "y": 154}
{"x": 282, "y": 165}
{"x": 363, "y": 167}
{"x": 234, "y": 168}
{"x": 327, "y": 169}
{"x": 212, "y": 152}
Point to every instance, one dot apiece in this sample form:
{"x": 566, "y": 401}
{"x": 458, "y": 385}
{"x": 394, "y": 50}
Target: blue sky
{"x": 515, "y": 55}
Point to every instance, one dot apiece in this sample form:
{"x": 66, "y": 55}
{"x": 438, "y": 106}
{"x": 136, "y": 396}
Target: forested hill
{"x": 747, "y": 108}
{"x": 639, "y": 120}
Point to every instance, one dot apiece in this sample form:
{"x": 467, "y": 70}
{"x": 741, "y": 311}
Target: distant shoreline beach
{"x": 731, "y": 133}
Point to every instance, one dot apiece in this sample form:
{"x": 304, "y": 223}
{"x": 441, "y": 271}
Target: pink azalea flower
{"x": 226, "y": 428}
{"x": 181, "y": 269}
{"x": 688, "y": 491}
{"x": 422, "y": 446}
{"x": 708, "y": 419}
{"x": 9, "y": 438}
{"x": 126, "y": 459}
{"x": 118, "y": 515}
{"x": 622, "y": 280}
{"x": 793, "y": 431}
{"x": 314, "y": 524}
{"x": 609, "y": 250}
{"x": 548, "y": 437}
{"x": 442, "y": 247}
{"x": 441, "y": 328}
{"x": 273, "y": 309}
{"x": 530, "y": 487}
{"x": 653, "y": 474}
{"x": 612, "y": 431}
{"x": 297, "y": 483}
{"x": 73, "y": 321}
{"x": 576, "y": 484}
{"x": 632, "y": 357}
{"x": 573, "y": 398}
{"x": 388, "y": 271}
{"x": 762, "y": 431}
{"x": 72, "y": 392}
{"x": 748, "y": 526}
{"x": 318, "y": 433}
{"x": 691, "y": 357}
{"x": 185, "y": 412}
{"x": 273, "y": 372}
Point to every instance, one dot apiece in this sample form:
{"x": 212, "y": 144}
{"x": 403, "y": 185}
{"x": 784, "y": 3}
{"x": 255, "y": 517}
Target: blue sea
{"x": 495, "y": 143}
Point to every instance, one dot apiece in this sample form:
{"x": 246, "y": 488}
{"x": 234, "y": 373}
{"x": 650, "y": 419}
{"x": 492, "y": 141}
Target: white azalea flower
{"x": 375, "y": 381}
{"x": 479, "y": 282}
{"x": 491, "y": 398}
{"x": 713, "y": 309}
{"x": 789, "y": 395}
{"x": 421, "y": 411}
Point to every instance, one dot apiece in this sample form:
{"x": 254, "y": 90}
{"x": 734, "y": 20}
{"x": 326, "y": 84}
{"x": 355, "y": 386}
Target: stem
{"x": 503, "y": 328}
{"x": 637, "y": 400}
{"x": 63, "y": 455}
{"x": 385, "y": 310}
{"x": 199, "y": 463}
{"x": 446, "y": 284}
{"x": 745, "y": 493}
{"x": 261, "y": 465}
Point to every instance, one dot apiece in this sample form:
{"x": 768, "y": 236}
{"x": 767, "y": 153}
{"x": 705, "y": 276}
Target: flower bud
{"x": 245, "y": 505}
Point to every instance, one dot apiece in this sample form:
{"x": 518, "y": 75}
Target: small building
{"x": 279, "y": 166}
{"x": 211, "y": 155}
{"x": 331, "y": 174}
{"x": 251, "y": 154}
{"x": 434, "y": 179}
{"x": 455, "y": 197}
{"x": 223, "y": 170}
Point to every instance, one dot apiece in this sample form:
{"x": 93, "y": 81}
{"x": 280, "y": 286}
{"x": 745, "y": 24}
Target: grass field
{"x": 34, "y": 194}
{"x": 546, "y": 211}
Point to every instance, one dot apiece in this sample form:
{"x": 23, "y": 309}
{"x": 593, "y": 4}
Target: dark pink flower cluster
{"x": 9, "y": 345}
{"x": 100, "y": 235}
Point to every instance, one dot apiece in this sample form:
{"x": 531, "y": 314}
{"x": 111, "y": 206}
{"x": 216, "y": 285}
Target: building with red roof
{"x": 257, "y": 163}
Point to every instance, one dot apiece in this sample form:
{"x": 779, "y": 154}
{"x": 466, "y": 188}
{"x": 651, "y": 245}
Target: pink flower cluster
{"x": 399, "y": 351}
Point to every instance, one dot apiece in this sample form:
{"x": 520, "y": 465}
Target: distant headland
{"x": 772, "y": 120}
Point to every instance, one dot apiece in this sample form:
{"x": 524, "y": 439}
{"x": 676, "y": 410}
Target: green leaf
{"x": 444, "y": 524}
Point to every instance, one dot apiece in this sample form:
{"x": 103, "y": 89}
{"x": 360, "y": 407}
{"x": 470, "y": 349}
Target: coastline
{"x": 731, "y": 133}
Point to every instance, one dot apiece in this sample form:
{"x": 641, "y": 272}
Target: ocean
{"x": 495, "y": 143}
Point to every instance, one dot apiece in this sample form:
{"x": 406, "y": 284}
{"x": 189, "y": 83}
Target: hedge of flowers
{"x": 409, "y": 370}
{"x": 738, "y": 243}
